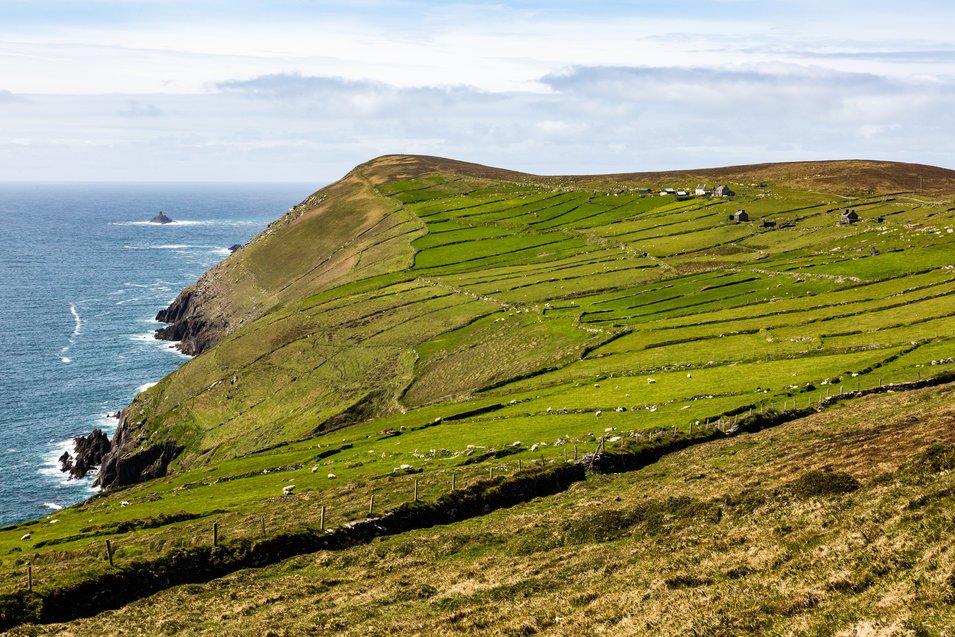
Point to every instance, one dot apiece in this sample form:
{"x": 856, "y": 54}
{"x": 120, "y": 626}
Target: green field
{"x": 415, "y": 322}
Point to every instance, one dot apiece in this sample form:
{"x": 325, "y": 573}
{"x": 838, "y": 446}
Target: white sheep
{"x": 597, "y": 413}
{"x": 332, "y": 476}
{"x": 124, "y": 503}
{"x": 314, "y": 469}
{"x": 288, "y": 490}
{"x": 25, "y": 536}
{"x": 650, "y": 381}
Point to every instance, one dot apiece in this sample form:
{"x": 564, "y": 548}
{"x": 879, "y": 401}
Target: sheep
{"x": 332, "y": 476}
{"x": 25, "y": 536}
{"x": 288, "y": 489}
{"x": 650, "y": 381}
{"x": 314, "y": 469}
{"x": 124, "y": 503}
{"x": 597, "y": 413}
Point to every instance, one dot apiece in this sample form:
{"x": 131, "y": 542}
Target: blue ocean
{"x": 82, "y": 275}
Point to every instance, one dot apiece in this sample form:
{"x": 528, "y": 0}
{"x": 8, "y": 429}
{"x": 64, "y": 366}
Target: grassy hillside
{"x": 425, "y": 321}
{"x": 415, "y": 280}
{"x": 836, "y": 524}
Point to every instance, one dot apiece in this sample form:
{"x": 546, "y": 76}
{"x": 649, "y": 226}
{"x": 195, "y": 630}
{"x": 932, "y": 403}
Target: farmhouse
{"x": 739, "y": 216}
{"x": 723, "y": 191}
{"x": 702, "y": 190}
{"x": 849, "y": 216}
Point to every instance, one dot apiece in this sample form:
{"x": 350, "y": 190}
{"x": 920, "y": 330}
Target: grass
{"x": 842, "y": 530}
{"x": 465, "y": 321}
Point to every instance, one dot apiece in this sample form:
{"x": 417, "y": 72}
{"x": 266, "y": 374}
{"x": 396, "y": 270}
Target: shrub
{"x": 822, "y": 483}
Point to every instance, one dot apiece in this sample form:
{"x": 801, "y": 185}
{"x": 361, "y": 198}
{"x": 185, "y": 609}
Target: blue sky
{"x": 297, "y": 90}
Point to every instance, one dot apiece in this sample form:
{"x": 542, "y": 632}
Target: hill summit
{"x": 418, "y": 280}
{"x": 438, "y": 397}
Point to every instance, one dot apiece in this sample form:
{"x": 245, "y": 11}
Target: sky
{"x": 303, "y": 90}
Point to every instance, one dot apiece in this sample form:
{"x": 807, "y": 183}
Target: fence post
{"x": 322, "y": 519}
{"x": 109, "y": 553}
{"x": 215, "y": 534}
{"x": 371, "y": 505}
{"x": 29, "y": 577}
{"x": 519, "y": 468}
{"x": 262, "y": 520}
{"x": 490, "y": 473}
{"x": 415, "y": 489}
{"x": 575, "y": 453}
{"x": 452, "y": 482}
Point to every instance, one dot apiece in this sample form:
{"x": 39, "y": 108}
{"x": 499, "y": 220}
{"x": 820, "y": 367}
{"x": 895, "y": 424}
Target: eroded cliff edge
{"x": 345, "y": 232}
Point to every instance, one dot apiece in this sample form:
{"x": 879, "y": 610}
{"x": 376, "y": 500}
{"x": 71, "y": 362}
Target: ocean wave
{"x": 190, "y": 222}
{"x": 52, "y": 505}
{"x": 77, "y": 321}
{"x": 144, "y": 387}
{"x": 50, "y": 467}
{"x": 77, "y": 330}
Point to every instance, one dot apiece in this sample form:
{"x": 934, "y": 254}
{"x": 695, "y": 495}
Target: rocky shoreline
{"x": 88, "y": 454}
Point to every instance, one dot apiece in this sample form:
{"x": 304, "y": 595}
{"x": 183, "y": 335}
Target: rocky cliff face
{"x": 129, "y": 462}
{"x": 187, "y": 325}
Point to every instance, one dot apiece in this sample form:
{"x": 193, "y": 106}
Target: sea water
{"x": 82, "y": 275}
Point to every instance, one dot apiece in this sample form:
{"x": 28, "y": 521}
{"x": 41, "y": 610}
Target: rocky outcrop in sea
{"x": 90, "y": 451}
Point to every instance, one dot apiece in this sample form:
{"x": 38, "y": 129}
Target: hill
{"x": 425, "y": 322}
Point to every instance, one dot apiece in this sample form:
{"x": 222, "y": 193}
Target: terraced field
{"x": 422, "y": 324}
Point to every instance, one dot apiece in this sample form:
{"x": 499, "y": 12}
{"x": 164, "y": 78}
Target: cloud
{"x": 7, "y": 97}
{"x": 340, "y": 97}
{"x": 137, "y": 108}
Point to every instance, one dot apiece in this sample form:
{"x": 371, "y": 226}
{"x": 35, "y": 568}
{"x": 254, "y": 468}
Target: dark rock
{"x": 66, "y": 461}
{"x": 187, "y": 325}
{"x": 161, "y": 218}
{"x": 129, "y": 461}
{"x": 235, "y": 247}
{"x": 122, "y": 468}
{"x": 90, "y": 451}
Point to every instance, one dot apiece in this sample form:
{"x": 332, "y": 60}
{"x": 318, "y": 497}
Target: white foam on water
{"x": 77, "y": 321}
{"x": 188, "y": 222}
{"x": 50, "y": 467}
{"x": 77, "y": 330}
{"x": 144, "y": 387}
{"x": 52, "y": 505}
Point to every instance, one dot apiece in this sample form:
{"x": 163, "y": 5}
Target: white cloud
{"x": 293, "y": 92}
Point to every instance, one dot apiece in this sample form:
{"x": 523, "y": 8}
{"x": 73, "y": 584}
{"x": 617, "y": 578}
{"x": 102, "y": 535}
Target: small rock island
{"x": 161, "y": 218}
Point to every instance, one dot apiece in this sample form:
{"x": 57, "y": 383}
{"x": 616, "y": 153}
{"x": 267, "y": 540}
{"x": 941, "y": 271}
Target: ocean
{"x": 82, "y": 276}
